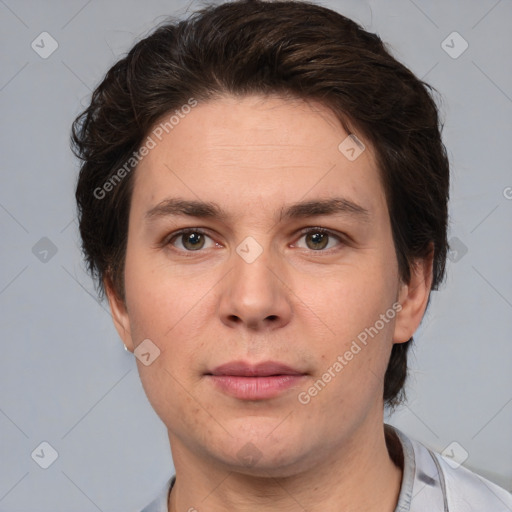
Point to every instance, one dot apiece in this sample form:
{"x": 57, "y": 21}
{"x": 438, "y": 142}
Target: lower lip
{"x": 255, "y": 388}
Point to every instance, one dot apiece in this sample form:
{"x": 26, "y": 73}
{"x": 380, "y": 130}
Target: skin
{"x": 294, "y": 304}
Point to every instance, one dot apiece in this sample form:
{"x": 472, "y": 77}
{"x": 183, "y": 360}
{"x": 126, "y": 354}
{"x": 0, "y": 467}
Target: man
{"x": 263, "y": 198}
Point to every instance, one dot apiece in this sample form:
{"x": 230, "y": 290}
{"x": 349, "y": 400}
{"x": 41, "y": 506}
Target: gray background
{"x": 64, "y": 376}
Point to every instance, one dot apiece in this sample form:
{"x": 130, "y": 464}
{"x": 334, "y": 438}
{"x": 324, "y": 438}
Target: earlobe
{"x": 119, "y": 314}
{"x": 413, "y": 297}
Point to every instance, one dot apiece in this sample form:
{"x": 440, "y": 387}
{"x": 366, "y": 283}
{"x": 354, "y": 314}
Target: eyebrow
{"x": 202, "y": 209}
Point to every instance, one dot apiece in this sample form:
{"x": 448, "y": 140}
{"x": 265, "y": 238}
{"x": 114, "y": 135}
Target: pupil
{"x": 193, "y": 239}
{"x": 318, "y": 238}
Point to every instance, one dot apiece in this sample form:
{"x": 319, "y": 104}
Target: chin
{"x": 262, "y": 455}
{"x": 274, "y": 466}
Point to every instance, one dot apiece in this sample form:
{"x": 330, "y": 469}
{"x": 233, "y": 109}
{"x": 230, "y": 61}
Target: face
{"x": 276, "y": 310}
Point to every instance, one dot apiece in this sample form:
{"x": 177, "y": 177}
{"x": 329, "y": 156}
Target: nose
{"x": 255, "y": 294}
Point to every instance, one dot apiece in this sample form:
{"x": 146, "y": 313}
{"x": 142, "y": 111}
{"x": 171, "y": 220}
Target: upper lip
{"x": 243, "y": 369}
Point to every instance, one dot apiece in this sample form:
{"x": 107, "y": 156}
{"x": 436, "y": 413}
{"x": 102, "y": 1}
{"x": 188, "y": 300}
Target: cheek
{"x": 159, "y": 298}
{"x": 358, "y": 310}
{"x": 169, "y": 397}
{"x": 352, "y": 301}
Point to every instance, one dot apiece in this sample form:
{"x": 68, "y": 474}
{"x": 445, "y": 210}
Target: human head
{"x": 264, "y": 48}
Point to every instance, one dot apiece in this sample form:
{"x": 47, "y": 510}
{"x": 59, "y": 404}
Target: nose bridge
{"x": 252, "y": 276}
{"x": 253, "y": 295}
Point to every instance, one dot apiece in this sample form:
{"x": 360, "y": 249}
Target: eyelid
{"x": 343, "y": 239}
{"x": 175, "y": 234}
{"x": 332, "y": 234}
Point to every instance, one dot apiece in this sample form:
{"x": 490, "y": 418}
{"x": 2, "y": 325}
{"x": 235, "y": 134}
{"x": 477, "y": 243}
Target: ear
{"x": 413, "y": 297}
{"x": 119, "y": 314}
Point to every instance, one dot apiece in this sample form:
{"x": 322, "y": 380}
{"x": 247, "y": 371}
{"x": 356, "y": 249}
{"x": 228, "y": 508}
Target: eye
{"x": 317, "y": 239}
{"x": 195, "y": 239}
{"x": 190, "y": 239}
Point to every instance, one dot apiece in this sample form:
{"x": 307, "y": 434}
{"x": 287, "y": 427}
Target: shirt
{"x": 430, "y": 483}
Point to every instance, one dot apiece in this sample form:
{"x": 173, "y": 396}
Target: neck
{"x": 358, "y": 476}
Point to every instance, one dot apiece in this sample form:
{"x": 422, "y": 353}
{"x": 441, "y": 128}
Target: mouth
{"x": 255, "y": 382}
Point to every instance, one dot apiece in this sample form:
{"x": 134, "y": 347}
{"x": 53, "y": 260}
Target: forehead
{"x": 237, "y": 150}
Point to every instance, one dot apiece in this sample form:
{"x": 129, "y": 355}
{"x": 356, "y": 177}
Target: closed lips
{"x": 242, "y": 369}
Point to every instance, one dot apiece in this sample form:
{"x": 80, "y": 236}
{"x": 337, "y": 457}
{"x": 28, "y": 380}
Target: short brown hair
{"x": 291, "y": 48}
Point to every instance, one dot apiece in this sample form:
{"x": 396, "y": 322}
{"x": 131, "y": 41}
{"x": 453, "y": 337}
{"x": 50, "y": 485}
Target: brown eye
{"x": 193, "y": 241}
{"x": 190, "y": 240}
{"x": 318, "y": 239}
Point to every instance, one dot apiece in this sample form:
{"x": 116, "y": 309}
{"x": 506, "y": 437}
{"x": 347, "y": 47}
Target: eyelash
{"x": 186, "y": 231}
